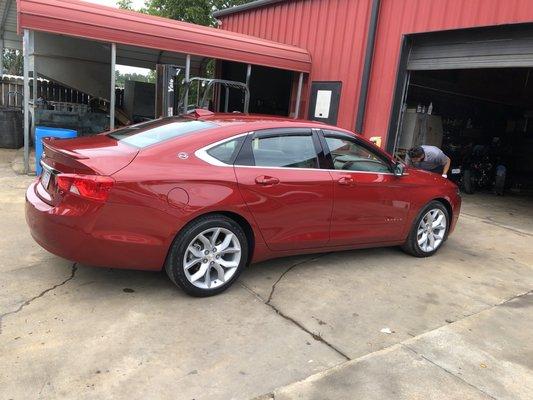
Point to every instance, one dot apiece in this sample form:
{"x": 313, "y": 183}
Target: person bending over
{"x": 429, "y": 158}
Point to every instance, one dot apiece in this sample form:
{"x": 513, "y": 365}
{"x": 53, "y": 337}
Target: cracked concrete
{"x": 306, "y": 327}
{"x": 29, "y": 301}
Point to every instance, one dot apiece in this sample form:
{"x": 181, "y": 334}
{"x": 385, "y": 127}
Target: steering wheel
{"x": 347, "y": 165}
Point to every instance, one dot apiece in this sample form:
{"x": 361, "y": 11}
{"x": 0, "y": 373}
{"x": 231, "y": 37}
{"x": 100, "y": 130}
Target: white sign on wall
{"x": 323, "y": 103}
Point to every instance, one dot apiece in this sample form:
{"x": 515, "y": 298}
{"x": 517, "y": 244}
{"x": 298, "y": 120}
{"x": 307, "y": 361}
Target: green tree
{"x": 120, "y": 79}
{"x": 13, "y": 62}
{"x": 195, "y": 11}
{"x": 125, "y": 4}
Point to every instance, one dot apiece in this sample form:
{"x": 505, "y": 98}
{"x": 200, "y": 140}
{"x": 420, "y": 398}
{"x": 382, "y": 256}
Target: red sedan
{"x": 204, "y": 195}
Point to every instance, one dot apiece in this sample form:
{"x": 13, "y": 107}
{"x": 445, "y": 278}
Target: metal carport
{"x": 135, "y": 39}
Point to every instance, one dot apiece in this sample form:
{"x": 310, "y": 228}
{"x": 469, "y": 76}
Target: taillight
{"x": 92, "y": 187}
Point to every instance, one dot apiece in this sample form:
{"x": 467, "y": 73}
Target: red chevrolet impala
{"x": 204, "y": 195}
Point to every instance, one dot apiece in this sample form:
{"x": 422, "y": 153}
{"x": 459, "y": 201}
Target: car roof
{"x": 227, "y": 119}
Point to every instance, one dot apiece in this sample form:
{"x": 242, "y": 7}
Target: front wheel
{"x": 429, "y": 231}
{"x": 207, "y": 256}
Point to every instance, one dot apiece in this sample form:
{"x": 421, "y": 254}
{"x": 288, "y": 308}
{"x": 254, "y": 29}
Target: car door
{"x": 291, "y": 198}
{"x": 370, "y": 203}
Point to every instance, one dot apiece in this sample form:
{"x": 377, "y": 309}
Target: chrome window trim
{"x": 204, "y": 156}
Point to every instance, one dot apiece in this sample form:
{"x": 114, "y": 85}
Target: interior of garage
{"x": 475, "y": 113}
{"x": 270, "y": 88}
{"x": 470, "y": 93}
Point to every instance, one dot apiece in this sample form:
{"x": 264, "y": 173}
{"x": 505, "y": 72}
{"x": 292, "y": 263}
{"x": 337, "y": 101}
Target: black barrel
{"x": 11, "y": 128}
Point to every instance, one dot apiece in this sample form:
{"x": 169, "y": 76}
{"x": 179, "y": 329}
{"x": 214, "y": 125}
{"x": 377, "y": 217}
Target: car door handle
{"x": 346, "y": 181}
{"x": 266, "y": 180}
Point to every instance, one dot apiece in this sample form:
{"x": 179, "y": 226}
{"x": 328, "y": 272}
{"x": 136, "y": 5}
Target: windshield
{"x": 157, "y": 131}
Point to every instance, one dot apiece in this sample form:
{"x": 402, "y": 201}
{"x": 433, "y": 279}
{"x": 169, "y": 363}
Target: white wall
{"x": 80, "y": 64}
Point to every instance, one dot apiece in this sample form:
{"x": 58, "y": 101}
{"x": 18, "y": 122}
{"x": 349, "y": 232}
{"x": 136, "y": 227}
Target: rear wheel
{"x": 429, "y": 231}
{"x": 207, "y": 256}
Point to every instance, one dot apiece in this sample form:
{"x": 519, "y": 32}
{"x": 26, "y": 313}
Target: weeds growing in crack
{"x": 74, "y": 268}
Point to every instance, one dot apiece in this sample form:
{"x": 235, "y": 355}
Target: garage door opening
{"x": 481, "y": 118}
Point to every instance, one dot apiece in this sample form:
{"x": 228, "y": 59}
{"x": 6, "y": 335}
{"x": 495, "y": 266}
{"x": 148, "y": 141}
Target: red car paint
{"x": 160, "y": 188}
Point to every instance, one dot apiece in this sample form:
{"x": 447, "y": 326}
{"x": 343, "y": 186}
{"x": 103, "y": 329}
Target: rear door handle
{"x": 346, "y": 181}
{"x": 266, "y": 180}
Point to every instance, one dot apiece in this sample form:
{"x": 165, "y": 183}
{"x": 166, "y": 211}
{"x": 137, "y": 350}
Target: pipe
{"x": 369, "y": 56}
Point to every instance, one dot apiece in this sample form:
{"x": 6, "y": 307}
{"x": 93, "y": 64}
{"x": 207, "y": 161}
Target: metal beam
{"x": 186, "y": 80}
{"x": 25, "y": 52}
{"x": 112, "y": 99}
{"x": 299, "y": 95}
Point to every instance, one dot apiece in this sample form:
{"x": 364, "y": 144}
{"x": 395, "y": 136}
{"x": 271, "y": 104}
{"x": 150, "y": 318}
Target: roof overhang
{"x": 90, "y": 21}
{"x": 245, "y": 7}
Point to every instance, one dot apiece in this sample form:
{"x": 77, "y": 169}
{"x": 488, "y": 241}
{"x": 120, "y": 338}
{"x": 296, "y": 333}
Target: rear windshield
{"x": 157, "y": 131}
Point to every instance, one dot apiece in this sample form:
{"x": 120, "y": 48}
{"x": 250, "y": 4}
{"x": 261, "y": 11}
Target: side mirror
{"x": 398, "y": 169}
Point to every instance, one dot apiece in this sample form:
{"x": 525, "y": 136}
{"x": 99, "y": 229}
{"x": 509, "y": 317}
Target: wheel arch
{"x": 238, "y": 218}
{"x": 446, "y": 203}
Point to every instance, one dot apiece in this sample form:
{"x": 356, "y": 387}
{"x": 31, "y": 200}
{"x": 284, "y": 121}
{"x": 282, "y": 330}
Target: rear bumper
{"x": 83, "y": 232}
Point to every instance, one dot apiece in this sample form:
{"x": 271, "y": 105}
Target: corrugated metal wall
{"x": 334, "y": 32}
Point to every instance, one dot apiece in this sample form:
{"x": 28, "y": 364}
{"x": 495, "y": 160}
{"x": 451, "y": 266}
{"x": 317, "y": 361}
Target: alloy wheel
{"x": 212, "y": 258}
{"x": 431, "y": 230}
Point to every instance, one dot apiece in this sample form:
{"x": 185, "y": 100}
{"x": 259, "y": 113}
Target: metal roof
{"x": 107, "y": 24}
{"x": 245, "y": 7}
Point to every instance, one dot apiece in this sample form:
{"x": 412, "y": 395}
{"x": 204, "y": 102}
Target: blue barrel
{"x": 44, "y": 132}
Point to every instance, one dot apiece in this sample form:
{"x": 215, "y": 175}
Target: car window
{"x": 152, "y": 132}
{"x": 348, "y": 155}
{"x": 285, "y": 151}
{"x": 227, "y": 151}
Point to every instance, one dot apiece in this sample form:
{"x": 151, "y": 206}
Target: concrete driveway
{"x": 372, "y": 324}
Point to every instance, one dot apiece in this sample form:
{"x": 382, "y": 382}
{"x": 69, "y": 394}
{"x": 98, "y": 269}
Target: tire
{"x": 412, "y": 245}
{"x": 192, "y": 265}
{"x": 468, "y": 185}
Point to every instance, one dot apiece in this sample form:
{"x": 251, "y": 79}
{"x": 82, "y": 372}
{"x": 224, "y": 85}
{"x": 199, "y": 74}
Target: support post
{"x": 2, "y": 55}
{"x": 25, "y": 53}
{"x": 298, "y": 95}
{"x": 35, "y": 82}
{"x": 112, "y": 100}
{"x": 226, "y": 100}
{"x": 186, "y": 80}
{"x": 247, "y": 96}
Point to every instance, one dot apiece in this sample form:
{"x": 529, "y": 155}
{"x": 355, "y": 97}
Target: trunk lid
{"x": 94, "y": 155}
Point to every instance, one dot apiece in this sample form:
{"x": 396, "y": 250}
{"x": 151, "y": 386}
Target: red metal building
{"x": 368, "y": 46}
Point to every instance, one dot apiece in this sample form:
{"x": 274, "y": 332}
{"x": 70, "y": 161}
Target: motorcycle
{"x": 482, "y": 172}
